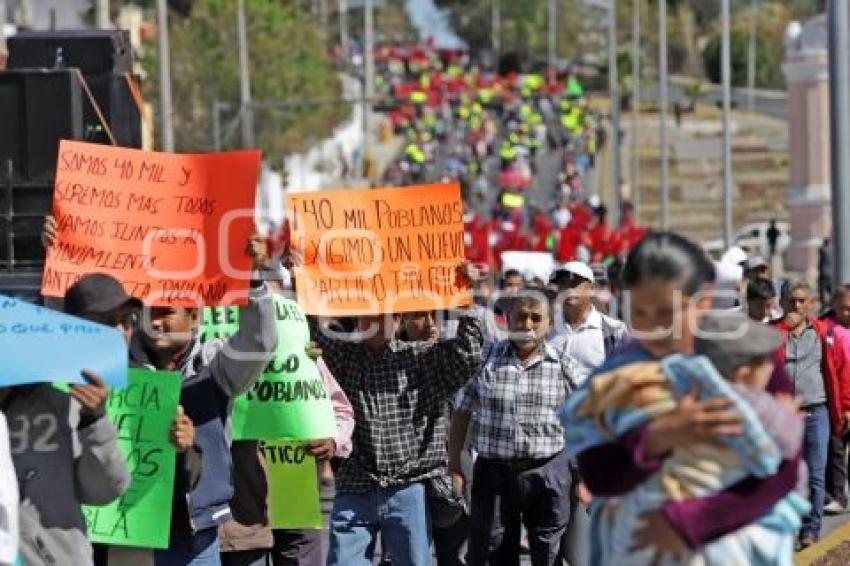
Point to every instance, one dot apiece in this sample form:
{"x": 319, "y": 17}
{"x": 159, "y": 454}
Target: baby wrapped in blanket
{"x": 736, "y": 364}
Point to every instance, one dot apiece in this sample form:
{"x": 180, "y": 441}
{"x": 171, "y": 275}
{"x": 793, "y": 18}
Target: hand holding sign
{"x": 323, "y": 449}
{"x": 91, "y": 397}
{"x": 48, "y": 232}
{"x": 182, "y": 431}
{"x": 468, "y": 273}
{"x": 258, "y": 251}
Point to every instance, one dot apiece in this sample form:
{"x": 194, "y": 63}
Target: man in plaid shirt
{"x": 398, "y": 391}
{"x": 521, "y": 473}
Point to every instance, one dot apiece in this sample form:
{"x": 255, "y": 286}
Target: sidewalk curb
{"x": 832, "y": 541}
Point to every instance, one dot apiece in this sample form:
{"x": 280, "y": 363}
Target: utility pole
{"x": 726, "y": 77}
{"x": 102, "y": 20}
{"x": 368, "y": 80}
{"x": 245, "y": 109}
{"x": 164, "y": 59}
{"x": 614, "y": 96}
{"x": 342, "y": 8}
{"x": 663, "y": 104}
{"x": 553, "y": 33}
{"x": 635, "y": 106}
{"x": 839, "y": 74}
{"x": 216, "y": 126}
{"x": 495, "y": 31}
{"x": 323, "y": 17}
{"x": 751, "y": 57}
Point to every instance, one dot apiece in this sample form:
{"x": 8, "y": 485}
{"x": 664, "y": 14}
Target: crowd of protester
{"x": 489, "y": 132}
{"x": 604, "y": 414}
{"x": 477, "y": 431}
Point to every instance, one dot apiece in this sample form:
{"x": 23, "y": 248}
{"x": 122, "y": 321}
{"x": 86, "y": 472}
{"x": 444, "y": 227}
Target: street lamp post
{"x": 635, "y": 105}
{"x": 102, "y": 13}
{"x": 495, "y": 31}
{"x": 663, "y": 103}
{"x": 164, "y": 63}
{"x": 614, "y": 96}
{"x": 726, "y": 77}
{"x": 368, "y": 79}
{"x": 246, "y": 110}
{"x": 839, "y": 74}
{"x": 751, "y": 57}
{"x": 342, "y": 8}
{"x": 553, "y": 23}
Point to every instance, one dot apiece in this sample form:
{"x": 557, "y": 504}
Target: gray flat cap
{"x": 731, "y": 339}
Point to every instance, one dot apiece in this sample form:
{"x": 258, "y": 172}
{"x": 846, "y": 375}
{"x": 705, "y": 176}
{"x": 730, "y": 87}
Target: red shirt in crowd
{"x": 600, "y": 240}
{"x": 569, "y": 238}
{"x": 541, "y": 230}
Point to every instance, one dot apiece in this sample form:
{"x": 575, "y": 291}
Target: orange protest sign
{"x": 171, "y": 227}
{"x": 379, "y": 250}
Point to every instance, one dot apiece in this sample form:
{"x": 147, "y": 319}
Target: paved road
{"x": 832, "y": 522}
{"x": 770, "y": 103}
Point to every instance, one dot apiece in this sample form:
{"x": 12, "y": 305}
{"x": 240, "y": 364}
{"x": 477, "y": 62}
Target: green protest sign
{"x": 293, "y": 486}
{"x": 219, "y": 322}
{"x": 289, "y": 400}
{"x": 143, "y": 413}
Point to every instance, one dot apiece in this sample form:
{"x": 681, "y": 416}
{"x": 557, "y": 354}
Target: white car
{"x": 752, "y": 237}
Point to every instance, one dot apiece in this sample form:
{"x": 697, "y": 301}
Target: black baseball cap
{"x": 97, "y": 293}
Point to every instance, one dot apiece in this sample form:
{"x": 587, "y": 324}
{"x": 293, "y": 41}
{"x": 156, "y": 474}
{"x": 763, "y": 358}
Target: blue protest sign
{"x": 42, "y": 345}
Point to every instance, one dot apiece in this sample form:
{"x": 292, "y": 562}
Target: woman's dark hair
{"x": 669, "y": 257}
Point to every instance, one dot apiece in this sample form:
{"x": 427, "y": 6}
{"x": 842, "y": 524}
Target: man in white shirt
{"x": 580, "y": 330}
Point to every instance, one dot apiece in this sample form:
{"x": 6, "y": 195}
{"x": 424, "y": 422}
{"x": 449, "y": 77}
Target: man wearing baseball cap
{"x": 99, "y": 297}
{"x": 587, "y": 336}
{"x": 64, "y": 448}
{"x": 581, "y": 331}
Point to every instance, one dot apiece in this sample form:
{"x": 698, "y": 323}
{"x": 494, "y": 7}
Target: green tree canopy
{"x": 288, "y": 62}
{"x": 771, "y": 20}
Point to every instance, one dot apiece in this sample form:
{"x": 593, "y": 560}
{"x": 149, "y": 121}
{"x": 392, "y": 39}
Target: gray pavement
{"x": 770, "y": 103}
{"x": 832, "y": 522}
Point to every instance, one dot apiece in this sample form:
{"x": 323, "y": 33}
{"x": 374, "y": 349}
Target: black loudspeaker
{"x": 94, "y": 52}
{"x": 115, "y": 99}
{"x": 22, "y": 211}
{"x": 104, "y": 58}
{"x": 37, "y": 109}
{"x": 43, "y": 100}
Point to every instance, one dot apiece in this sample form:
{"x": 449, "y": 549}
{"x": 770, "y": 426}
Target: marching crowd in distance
{"x": 605, "y": 414}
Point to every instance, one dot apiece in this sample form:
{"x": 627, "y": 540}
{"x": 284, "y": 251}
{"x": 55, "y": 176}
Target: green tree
{"x": 771, "y": 21}
{"x": 288, "y": 62}
{"x": 524, "y": 25}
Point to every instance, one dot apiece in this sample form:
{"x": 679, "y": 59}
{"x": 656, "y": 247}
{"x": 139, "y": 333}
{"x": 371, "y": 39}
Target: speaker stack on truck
{"x": 74, "y": 85}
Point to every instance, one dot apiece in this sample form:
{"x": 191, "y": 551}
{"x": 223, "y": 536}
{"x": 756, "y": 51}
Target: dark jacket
{"x": 214, "y": 372}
